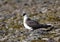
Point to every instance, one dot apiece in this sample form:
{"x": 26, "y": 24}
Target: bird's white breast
{"x": 25, "y": 25}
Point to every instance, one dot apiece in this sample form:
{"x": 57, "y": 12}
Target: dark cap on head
{"x": 24, "y": 14}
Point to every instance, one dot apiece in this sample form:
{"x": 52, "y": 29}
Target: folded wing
{"x": 36, "y": 25}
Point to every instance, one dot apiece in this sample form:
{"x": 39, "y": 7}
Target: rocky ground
{"x": 44, "y": 11}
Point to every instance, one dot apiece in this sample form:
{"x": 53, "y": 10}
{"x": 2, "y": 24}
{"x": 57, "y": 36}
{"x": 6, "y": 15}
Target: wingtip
{"x": 50, "y": 24}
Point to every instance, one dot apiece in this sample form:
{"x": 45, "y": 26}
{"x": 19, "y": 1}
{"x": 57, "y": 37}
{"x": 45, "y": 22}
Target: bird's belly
{"x": 27, "y": 27}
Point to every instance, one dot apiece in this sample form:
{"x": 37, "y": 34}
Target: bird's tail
{"x": 45, "y": 25}
{"x": 49, "y": 27}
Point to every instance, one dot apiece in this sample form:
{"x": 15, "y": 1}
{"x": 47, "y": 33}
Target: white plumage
{"x": 24, "y": 22}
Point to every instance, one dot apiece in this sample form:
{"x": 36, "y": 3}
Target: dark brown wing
{"x": 33, "y": 24}
{"x": 36, "y": 25}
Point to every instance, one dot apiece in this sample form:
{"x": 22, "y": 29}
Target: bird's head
{"x": 24, "y": 14}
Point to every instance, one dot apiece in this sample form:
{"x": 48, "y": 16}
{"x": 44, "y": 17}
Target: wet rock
{"x": 44, "y": 10}
{"x": 2, "y": 32}
{"x": 51, "y": 40}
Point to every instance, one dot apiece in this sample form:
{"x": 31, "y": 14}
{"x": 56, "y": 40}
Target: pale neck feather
{"x": 24, "y": 22}
{"x": 25, "y": 18}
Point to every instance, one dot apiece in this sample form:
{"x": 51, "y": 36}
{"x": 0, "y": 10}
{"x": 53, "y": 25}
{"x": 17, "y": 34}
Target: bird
{"x": 32, "y": 24}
